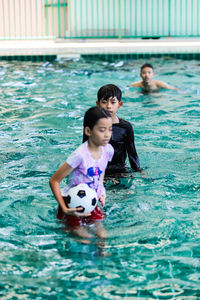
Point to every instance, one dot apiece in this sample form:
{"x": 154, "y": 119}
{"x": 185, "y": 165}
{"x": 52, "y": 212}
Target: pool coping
{"x": 75, "y": 48}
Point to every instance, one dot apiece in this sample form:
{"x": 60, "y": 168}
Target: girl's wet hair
{"x": 109, "y": 90}
{"x": 92, "y": 116}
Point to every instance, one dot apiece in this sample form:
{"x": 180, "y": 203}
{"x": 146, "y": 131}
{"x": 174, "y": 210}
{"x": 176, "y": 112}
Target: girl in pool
{"x": 86, "y": 164}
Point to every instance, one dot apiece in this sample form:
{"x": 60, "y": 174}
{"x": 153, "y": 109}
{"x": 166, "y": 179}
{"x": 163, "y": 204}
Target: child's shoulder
{"x": 76, "y": 156}
{"x": 109, "y": 148}
{"x": 109, "y": 151}
{"x": 124, "y": 123}
{"x": 80, "y": 150}
{"x": 160, "y": 84}
{"x": 121, "y": 127}
{"x": 136, "y": 84}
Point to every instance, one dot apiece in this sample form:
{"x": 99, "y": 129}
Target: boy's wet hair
{"x": 146, "y": 66}
{"x": 92, "y": 116}
{"x": 109, "y": 90}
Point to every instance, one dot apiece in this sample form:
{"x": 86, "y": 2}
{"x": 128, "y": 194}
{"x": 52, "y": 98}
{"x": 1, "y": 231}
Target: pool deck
{"x": 75, "y": 48}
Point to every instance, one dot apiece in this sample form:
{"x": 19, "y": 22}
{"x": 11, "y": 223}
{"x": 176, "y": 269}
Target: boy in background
{"x": 122, "y": 139}
{"x": 148, "y": 84}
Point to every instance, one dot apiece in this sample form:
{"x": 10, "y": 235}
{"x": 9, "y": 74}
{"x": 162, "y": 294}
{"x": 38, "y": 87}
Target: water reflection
{"x": 152, "y": 222}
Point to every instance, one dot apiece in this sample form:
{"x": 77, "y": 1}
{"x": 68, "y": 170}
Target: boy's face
{"x": 112, "y": 104}
{"x": 147, "y": 74}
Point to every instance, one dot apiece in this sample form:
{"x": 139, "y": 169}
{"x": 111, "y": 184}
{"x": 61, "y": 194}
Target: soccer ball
{"x": 83, "y": 196}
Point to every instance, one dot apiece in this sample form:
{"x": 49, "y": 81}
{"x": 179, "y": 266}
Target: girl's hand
{"x": 76, "y": 212}
{"x": 102, "y": 200}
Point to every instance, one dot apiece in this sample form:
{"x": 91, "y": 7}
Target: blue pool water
{"x": 153, "y": 223}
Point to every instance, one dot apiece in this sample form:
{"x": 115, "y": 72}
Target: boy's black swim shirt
{"x": 122, "y": 141}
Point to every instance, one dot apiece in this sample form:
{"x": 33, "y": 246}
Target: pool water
{"x": 153, "y": 223}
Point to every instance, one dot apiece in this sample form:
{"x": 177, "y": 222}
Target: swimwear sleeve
{"x": 132, "y": 154}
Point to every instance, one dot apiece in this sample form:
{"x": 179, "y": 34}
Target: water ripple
{"x": 152, "y": 222}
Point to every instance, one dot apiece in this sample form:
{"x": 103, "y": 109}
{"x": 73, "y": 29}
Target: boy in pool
{"x": 148, "y": 84}
{"x": 109, "y": 97}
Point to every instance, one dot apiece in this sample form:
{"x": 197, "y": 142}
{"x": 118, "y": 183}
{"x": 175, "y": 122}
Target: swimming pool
{"x": 153, "y": 225}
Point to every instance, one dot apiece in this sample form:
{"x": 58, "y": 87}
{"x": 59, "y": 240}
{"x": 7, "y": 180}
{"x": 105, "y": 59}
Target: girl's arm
{"x": 54, "y": 183}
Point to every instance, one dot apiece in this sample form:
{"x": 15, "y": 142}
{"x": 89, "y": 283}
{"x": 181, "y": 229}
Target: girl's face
{"x": 101, "y": 133}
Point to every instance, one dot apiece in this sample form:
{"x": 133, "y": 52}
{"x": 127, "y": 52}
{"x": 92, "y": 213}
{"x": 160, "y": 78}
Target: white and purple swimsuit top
{"x": 87, "y": 169}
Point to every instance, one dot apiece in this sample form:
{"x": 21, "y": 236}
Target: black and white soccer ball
{"x": 83, "y": 196}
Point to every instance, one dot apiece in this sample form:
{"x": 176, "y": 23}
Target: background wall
{"x": 26, "y": 19}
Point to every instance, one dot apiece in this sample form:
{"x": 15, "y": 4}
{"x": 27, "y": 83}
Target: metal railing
{"x": 50, "y": 19}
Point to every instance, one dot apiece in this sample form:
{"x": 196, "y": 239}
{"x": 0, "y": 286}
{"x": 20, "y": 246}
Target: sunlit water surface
{"x": 153, "y": 223}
